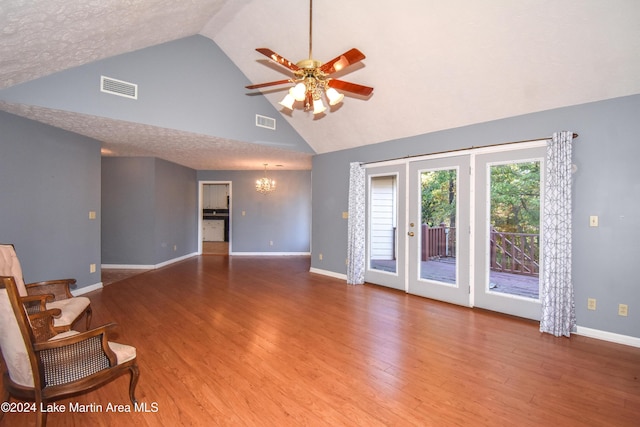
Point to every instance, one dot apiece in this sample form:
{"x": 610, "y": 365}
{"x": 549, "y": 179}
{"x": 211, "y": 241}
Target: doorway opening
{"x": 214, "y": 218}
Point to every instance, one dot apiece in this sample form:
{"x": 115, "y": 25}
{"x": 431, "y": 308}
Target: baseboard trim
{"x": 86, "y": 289}
{"x": 270, "y": 253}
{"x": 328, "y": 273}
{"x": 580, "y": 330}
{"x": 148, "y": 267}
{"x": 608, "y": 336}
{"x": 128, "y": 266}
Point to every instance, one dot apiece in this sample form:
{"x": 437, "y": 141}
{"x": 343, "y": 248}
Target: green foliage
{"x": 439, "y": 197}
{"x": 515, "y": 197}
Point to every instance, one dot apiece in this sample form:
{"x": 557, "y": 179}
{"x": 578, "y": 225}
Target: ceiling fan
{"x": 312, "y": 78}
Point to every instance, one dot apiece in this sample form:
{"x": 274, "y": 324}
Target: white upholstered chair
{"x": 50, "y": 294}
{"x": 43, "y": 366}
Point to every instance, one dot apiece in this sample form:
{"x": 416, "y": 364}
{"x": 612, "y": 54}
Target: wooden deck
{"x": 444, "y": 271}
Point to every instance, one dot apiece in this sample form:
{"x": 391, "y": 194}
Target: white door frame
{"x": 397, "y": 279}
{"x": 472, "y": 153}
{"x": 201, "y": 185}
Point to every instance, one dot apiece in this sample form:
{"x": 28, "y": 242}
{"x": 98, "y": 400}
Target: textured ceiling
{"x": 434, "y": 64}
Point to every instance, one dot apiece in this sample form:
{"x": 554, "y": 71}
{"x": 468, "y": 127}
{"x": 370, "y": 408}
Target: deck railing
{"x": 438, "y": 242}
{"x": 516, "y": 253}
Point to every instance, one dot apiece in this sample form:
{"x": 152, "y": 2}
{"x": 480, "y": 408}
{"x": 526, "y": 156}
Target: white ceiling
{"x": 434, "y": 64}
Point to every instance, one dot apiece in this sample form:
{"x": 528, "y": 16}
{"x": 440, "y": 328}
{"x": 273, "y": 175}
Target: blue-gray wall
{"x": 187, "y": 84}
{"x": 148, "y": 214}
{"x": 49, "y": 182}
{"x": 282, "y": 217}
{"x": 607, "y": 184}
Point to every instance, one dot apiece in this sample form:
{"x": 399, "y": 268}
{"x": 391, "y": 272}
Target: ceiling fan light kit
{"x": 311, "y": 78}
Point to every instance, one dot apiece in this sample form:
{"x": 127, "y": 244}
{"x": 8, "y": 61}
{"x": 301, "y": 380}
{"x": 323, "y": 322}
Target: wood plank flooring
{"x": 261, "y": 341}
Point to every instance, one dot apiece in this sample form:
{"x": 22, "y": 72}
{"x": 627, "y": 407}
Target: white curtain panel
{"x": 356, "y": 225}
{"x": 558, "y": 305}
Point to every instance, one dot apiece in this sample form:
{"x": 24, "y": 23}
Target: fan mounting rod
{"x": 310, "y": 27}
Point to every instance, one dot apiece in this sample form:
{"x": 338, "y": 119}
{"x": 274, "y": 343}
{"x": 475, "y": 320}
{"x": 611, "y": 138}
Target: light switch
{"x": 593, "y": 221}
{"x": 92, "y": 214}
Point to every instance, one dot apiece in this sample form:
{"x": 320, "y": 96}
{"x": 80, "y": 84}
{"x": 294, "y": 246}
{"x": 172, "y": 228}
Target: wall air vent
{"x": 265, "y": 122}
{"x": 118, "y": 87}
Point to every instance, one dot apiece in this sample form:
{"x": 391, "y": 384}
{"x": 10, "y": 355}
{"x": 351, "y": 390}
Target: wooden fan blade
{"x": 350, "y": 87}
{"x": 338, "y": 63}
{"x": 277, "y": 58}
{"x": 259, "y": 85}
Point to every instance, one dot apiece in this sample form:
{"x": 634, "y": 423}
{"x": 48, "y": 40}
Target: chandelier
{"x": 265, "y": 185}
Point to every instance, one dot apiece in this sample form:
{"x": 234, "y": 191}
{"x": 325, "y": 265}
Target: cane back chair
{"x": 43, "y": 366}
{"x": 50, "y": 294}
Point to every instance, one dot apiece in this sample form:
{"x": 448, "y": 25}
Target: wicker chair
{"x": 51, "y": 294}
{"x": 44, "y": 366}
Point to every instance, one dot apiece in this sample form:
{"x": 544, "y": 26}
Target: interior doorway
{"x": 214, "y": 218}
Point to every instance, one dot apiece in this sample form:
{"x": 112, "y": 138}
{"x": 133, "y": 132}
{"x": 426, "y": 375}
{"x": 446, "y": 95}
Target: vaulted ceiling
{"x": 434, "y": 64}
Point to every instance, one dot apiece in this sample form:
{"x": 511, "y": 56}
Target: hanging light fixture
{"x": 311, "y": 79}
{"x": 265, "y": 185}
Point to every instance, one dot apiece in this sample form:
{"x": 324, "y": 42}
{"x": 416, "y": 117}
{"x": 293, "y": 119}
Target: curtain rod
{"x": 575, "y": 135}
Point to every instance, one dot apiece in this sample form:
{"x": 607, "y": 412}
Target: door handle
{"x": 411, "y": 234}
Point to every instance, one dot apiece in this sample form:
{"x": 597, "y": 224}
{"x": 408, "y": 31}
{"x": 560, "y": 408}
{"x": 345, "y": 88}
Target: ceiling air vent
{"x": 118, "y": 87}
{"x": 265, "y": 122}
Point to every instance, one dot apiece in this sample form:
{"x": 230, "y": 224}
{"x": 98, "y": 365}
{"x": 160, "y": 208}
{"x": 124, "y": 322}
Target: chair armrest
{"x": 58, "y": 288}
{"x": 36, "y": 303}
{"x": 42, "y": 324}
{"x": 101, "y": 331}
{"x": 73, "y": 358}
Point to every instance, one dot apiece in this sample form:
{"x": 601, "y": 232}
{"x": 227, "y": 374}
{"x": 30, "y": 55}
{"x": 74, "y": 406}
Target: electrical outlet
{"x": 591, "y": 303}
{"x": 92, "y": 268}
{"x": 92, "y": 214}
{"x": 270, "y": 242}
{"x": 345, "y": 215}
{"x": 320, "y": 257}
{"x": 593, "y": 221}
{"x": 623, "y": 309}
{"x": 175, "y": 248}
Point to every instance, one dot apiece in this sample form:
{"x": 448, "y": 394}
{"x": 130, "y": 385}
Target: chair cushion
{"x": 10, "y": 266}
{"x": 123, "y": 352}
{"x": 13, "y": 346}
{"x": 71, "y": 308}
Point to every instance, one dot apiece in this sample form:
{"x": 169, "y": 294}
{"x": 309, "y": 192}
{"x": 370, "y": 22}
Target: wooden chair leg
{"x": 89, "y": 314}
{"x": 6, "y": 397}
{"x": 41, "y": 416}
{"x": 135, "y": 373}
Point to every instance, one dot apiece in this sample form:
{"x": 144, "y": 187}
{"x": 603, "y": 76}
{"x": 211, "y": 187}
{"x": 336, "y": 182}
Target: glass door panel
{"x": 438, "y": 210}
{"x": 385, "y": 233}
{"x": 508, "y": 243}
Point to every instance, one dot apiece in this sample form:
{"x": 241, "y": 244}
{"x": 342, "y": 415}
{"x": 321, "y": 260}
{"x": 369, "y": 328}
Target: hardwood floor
{"x": 261, "y": 341}
{"x": 215, "y": 248}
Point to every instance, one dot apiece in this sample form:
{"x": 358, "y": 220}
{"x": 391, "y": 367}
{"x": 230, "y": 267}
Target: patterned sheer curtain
{"x": 558, "y": 305}
{"x": 355, "y": 226}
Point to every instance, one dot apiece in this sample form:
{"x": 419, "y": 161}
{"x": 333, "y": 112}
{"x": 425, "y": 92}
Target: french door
{"x": 438, "y": 229}
{"x": 508, "y": 230}
{"x": 464, "y": 229}
{"x": 385, "y": 224}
